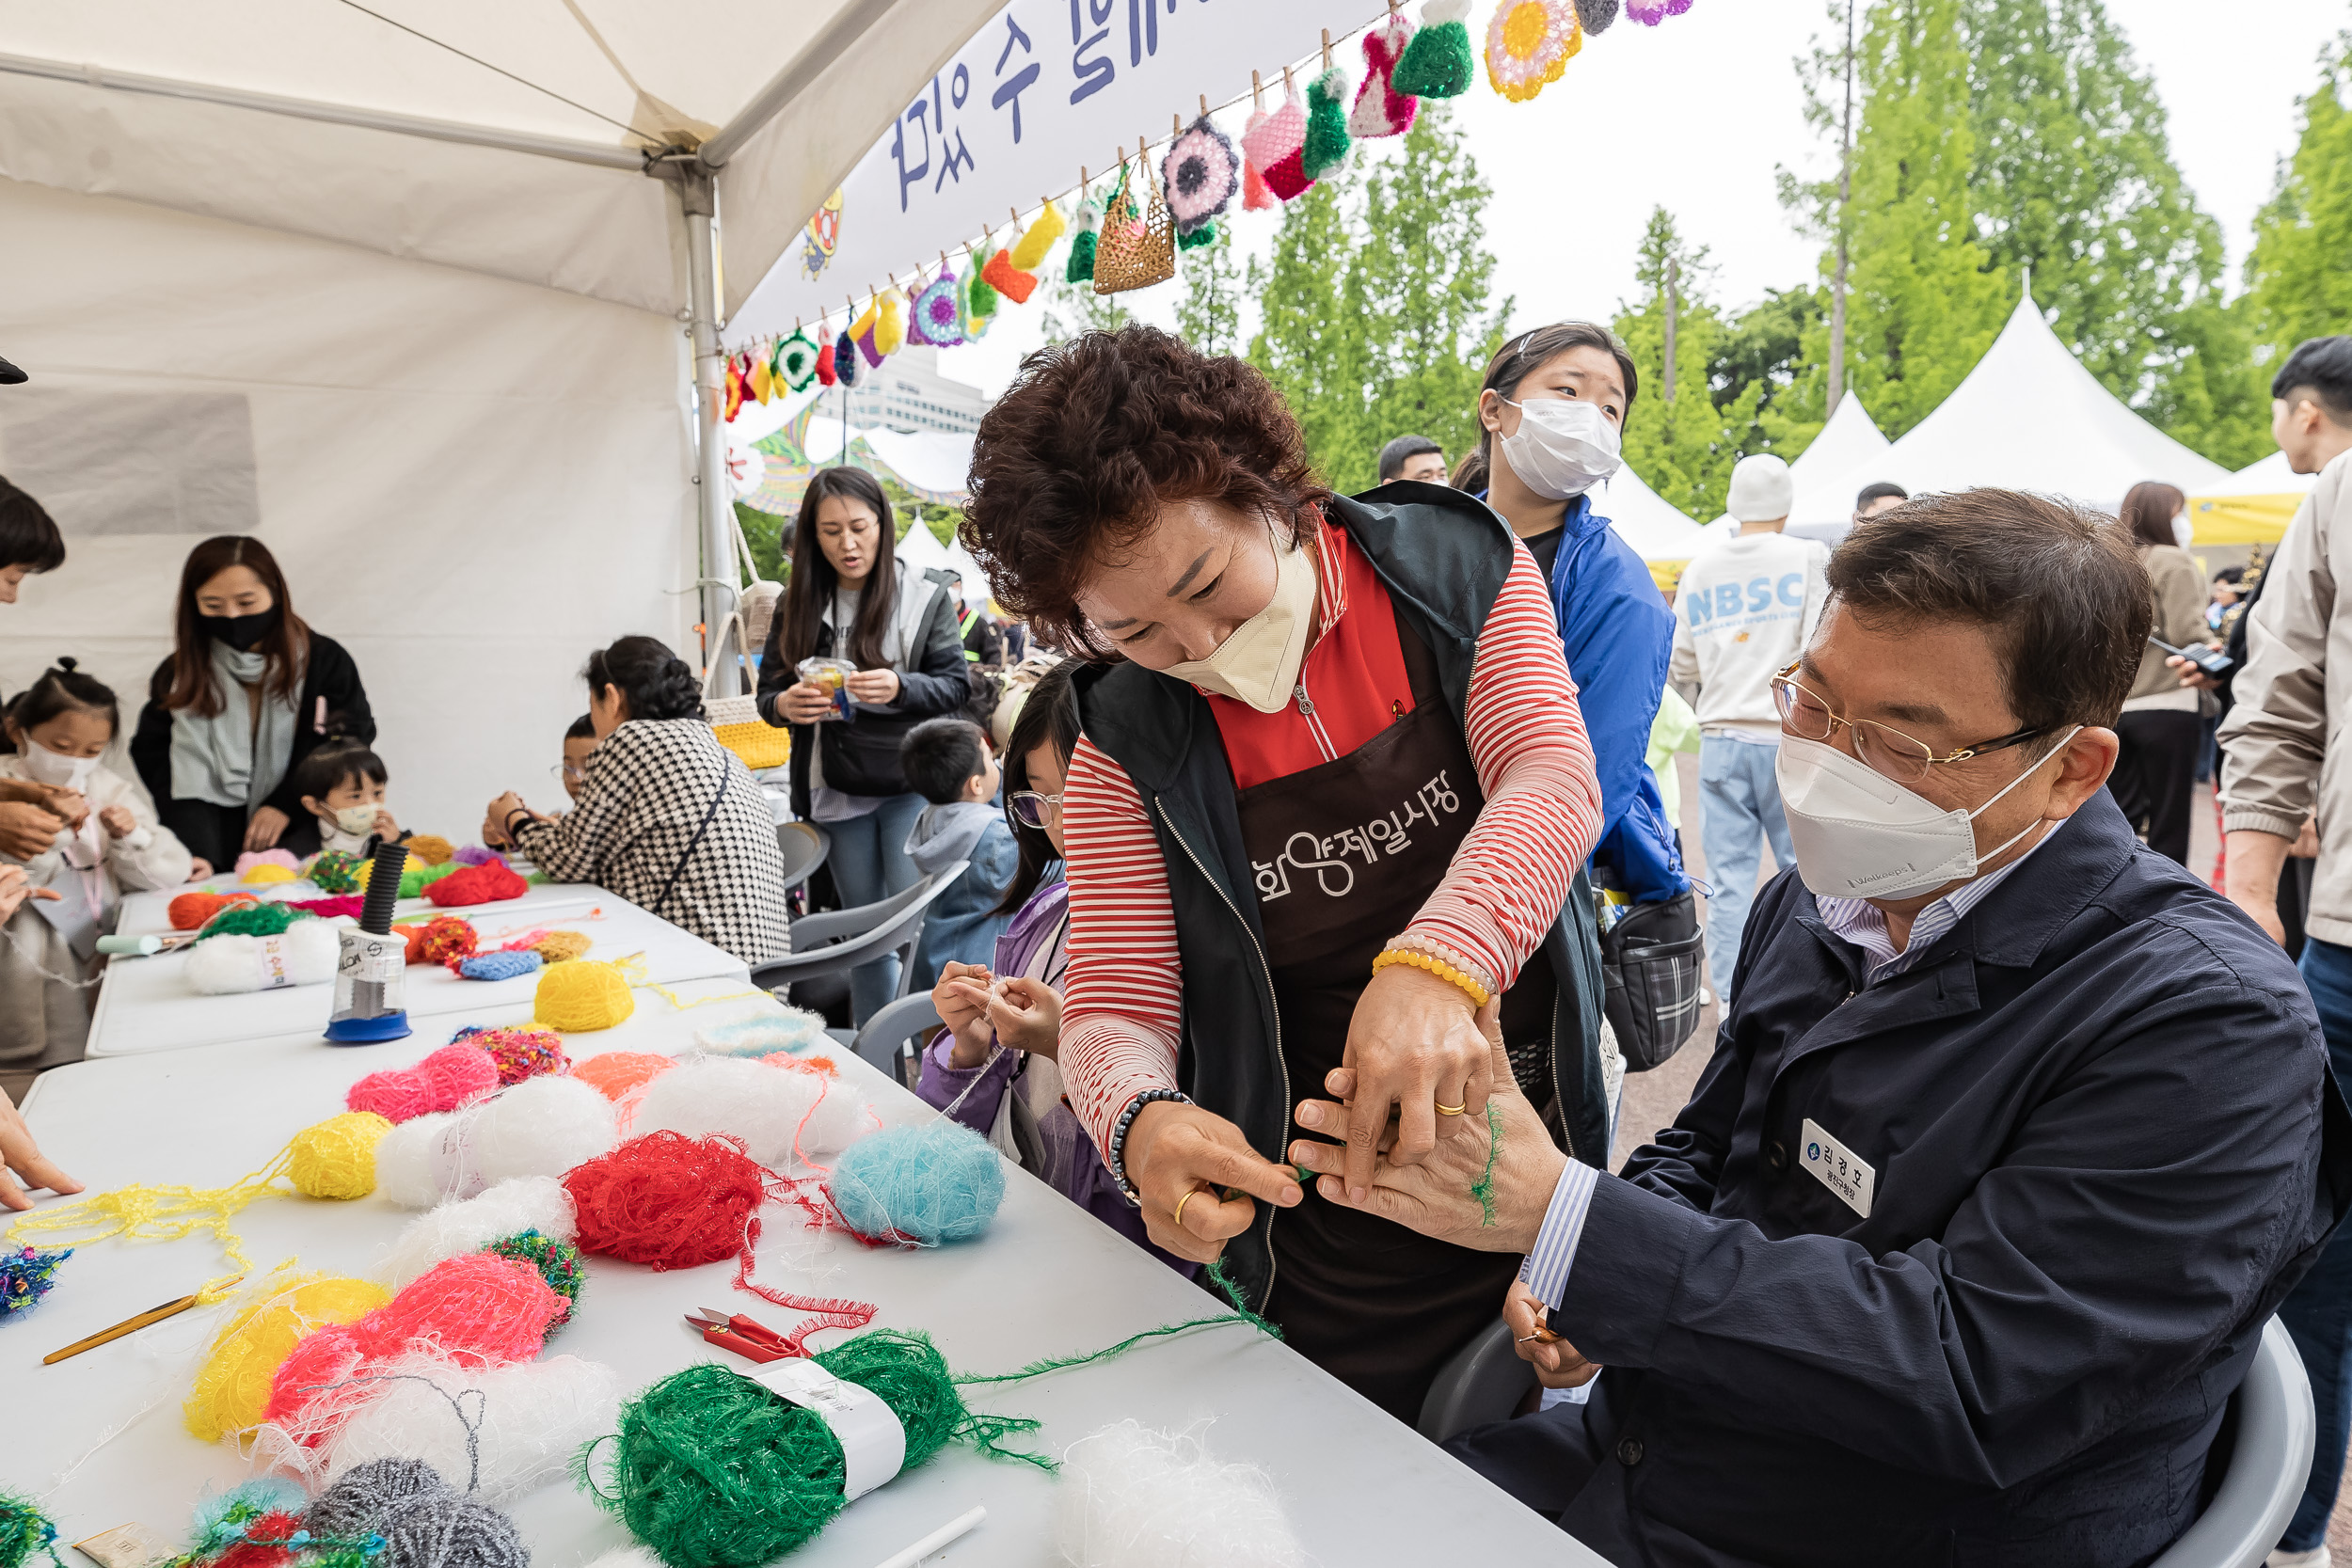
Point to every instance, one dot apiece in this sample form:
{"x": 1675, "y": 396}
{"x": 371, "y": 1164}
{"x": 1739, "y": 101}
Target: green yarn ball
{"x": 1435, "y": 63}
{"x": 716, "y": 1471}
{"x": 251, "y": 920}
{"x": 335, "y": 871}
{"x": 26, "y": 1532}
{"x": 558, "y": 1263}
{"x": 1081, "y": 267}
{"x": 1326, "y": 123}
{"x": 414, "y": 881}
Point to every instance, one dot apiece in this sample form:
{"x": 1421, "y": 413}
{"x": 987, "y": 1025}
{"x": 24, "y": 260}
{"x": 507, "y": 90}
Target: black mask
{"x": 240, "y": 632}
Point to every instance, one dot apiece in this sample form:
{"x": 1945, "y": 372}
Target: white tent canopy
{"x": 2028, "y": 418}
{"x": 398, "y": 291}
{"x": 2272, "y": 476}
{"x": 1655, "y": 527}
{"x": 1850, "y": 437}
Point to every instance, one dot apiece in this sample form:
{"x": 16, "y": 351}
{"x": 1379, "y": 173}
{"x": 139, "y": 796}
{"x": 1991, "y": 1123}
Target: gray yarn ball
{"x": 445, "y": 1530}
{"x": 366, "y": 1495}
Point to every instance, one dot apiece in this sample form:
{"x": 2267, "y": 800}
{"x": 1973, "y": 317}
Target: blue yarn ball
{"x": 933, "y": 1183}
{"x": 499, "y": 966}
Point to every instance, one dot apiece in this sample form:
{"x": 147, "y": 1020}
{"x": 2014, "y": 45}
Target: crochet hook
{"x": 127, "y": 1325}
{"x": 951, "y": 1531}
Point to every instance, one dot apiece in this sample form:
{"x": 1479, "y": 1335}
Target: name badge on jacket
{"x": 1836, "y": 1168}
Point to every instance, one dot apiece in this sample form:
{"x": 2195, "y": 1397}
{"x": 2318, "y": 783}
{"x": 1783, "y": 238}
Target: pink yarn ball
{"x": 452, "y": 1076}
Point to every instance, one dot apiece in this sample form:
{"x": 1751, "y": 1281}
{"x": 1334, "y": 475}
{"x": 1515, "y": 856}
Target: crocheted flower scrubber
{"x": 1649, "y": 13}
{"x": 1528, "y": 44}
{"x": 1438, "y": 60}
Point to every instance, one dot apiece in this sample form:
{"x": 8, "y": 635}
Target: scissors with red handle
{"x": 746, "y": 1336}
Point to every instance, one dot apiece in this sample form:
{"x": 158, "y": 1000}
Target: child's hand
{"x": 385, "y": 829}
{"x": 69, "y": 804}
{"x": 117, "y": 821}
{"x": 199, "y": 868}
{"x": 1026, "y": 1014}
{"x": 962, "y": 998}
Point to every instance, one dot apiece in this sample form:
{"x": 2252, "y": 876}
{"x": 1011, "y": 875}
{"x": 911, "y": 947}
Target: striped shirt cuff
{"x": 1545, "y": 1272}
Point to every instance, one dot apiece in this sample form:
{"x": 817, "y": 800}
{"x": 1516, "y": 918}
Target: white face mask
{"x": 1859, "y": 834}
{"x": 2183, "y": 531}
{"x": 1562, "y": 448}
{"x": 358, "y": 821}
{"x": 1259, "y": 662}
{"x": 43, "y": 765}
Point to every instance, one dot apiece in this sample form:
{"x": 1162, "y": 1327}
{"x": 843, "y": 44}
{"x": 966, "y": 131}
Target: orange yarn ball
{"x": 190, "y": 910}
{"x": 618, "y": 1074}
{"x": 445, "y": 938}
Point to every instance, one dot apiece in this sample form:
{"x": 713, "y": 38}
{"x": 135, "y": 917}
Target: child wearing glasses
{"x": 579, "y": 741}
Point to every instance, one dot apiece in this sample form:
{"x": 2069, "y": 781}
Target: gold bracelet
{"x": 1442, "y": 970}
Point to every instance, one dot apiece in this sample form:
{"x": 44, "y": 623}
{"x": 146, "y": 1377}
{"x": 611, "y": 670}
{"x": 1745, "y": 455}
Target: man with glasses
{"x": 2014, "y": 1137}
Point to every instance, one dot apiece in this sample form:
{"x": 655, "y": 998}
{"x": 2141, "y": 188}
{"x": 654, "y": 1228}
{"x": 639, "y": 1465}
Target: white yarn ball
{"x": 1133, "y": 1498}
{"x": 421, "y": 1162}
{"x": 453, "y": 1229}
{"x": 304, "y": 954}
{"x": 764, "y": 1033}
{"x": 543, "y": 1126}
{"x": 766, "y": 1105}
{"x": 628, "y": 1557}
{"x": 532, "y": 1416}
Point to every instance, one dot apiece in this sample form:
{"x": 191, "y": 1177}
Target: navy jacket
{"x": 2105, "y": 1144}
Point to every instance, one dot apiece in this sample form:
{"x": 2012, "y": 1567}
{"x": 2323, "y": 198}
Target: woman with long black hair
{"x": 248, "y": 691}
{"x": 852, "y": 600}
{"x": 2162, "y": 726}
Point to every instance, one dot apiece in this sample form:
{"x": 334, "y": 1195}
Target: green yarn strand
{"x": 1435, "y": 63}
{"x": 1059, "y": 1363}
{"x": 1484, "y": 1188}
{"x": 1081, "y": 267}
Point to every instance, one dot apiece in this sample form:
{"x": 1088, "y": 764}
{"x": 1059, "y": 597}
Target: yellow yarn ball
{"x": 232, "y": 1388}
{"x": 581, "y": 996}
{"x": 337, "y": 1158}
{"x": 430, "y": 849}
{"x": 267, "y": 872}
{"x": 558, "y": 947}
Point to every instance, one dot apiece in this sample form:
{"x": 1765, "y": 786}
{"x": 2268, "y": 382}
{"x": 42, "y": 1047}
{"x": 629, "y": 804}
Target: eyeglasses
{"x": 1033, "y": 810}
{"x": 1883, "y": 750}
{"x": 568, "y": 772}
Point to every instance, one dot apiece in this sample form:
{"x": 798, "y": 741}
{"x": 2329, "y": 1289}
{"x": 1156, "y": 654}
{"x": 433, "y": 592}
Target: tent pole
{"x": 715, "y": 497}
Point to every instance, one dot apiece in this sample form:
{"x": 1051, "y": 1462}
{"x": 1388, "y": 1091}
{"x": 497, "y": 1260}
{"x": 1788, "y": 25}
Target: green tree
{"x": 1070, "y": 308}
{"x": 2299, "y": 276}
{"x": 1309, "y": 344}
{"x": 1677, "y": 438}
{"x": 1927, "y": 298}
{"x": 1210, "y": 314}
{"x": 1773, "y": 346}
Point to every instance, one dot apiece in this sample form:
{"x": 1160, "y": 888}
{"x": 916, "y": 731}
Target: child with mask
{"x": 341, "y": 784}
{"x": 57, "y": 731}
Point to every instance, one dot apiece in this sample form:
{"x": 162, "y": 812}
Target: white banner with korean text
{"x": 1044, "y": 87}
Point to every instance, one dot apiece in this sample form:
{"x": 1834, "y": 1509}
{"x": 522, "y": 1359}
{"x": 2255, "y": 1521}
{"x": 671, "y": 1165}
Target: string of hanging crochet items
{"x": 1137, "y": 247}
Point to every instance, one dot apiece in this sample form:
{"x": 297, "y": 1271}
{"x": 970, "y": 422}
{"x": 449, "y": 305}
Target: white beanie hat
{"x": 1761, "y": 490}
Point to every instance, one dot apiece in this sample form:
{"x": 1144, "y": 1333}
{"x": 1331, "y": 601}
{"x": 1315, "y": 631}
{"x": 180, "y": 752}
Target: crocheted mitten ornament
{"x": 825, "y": 376}
{"x": 1649, "y": 13}
{"x": 1381, "y": 110}
{"x": 890, "y": 324}
{"x": 1595, "y": 16}
{"x": 758, "y": 380}
{"x": 1326, "y": 123}
{"x": 796, "y": 361}
{"x": 1255, "y": 197}
{"x": 735, "y": 389}
{"x": 845, "y": 360}
{"x": 1082, "y": 244}
{"x": 979, "y": 298}
{"x": 1198, "y": 177}
{"x": 1277, "y": 147}
{"x": 862, "y": 334}
{"x": 1029, "y": 253}
{"x": 1436, "y": 63}
{"x": 1005, "y": 279}
{"x": 1527, "y": 45}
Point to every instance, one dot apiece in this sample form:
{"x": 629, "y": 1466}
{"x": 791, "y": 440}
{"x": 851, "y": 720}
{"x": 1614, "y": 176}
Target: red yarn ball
{"x": 445, "y": 939}
{"x": 520, "y": 1053}
{"x": 668, "y": 1200}
{"x": 477, "y": 1310}
{"x": 477, "y": 885}
{"x": 455, "y": 1075}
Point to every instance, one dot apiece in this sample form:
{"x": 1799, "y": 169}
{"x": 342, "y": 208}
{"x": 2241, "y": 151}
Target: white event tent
{"x": 1850, "y": 440}
{"x": 2028, "y": 418}
{"x": 2252, "y": 506}
{"x": 1657, "y": 529}
{"x": 406, "y": 291}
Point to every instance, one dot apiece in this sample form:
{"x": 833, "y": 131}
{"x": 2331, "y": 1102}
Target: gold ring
{"x": 1453, "y": 1110}
{"x": 1188, "y": 1197}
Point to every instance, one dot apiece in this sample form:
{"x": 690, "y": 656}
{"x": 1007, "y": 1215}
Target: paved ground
{"x": 1651, "y": 1098}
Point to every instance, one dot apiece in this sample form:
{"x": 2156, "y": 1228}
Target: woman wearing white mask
{"x": 1331, "y": 800}
{"x": 2162, "y": 726}
{"x": 57, "y": 731}
{"x": 1550, "y": 412}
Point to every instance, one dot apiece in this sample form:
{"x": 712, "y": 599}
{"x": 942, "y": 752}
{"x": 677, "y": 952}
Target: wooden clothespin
{"x": 1083, "y": 180}
{"x": 1178, "y": 120}
{"x": 1393, "y": 8}
{"x": 1288, "y": 91}
{"x": 1326, "y": 49}
{"x": 1016, "y": 215}
{"x": 1257, "y": 93}
{"x": 1204, "y": 105}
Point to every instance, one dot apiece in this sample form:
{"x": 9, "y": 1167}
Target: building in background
{"x": 908, "y": 393}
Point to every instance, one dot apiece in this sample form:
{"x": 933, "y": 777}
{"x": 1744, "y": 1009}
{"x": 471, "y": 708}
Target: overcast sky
{"x": 1695, "y": 113}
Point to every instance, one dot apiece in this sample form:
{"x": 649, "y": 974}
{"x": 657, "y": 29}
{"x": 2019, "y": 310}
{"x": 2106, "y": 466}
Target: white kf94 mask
{"x": 1859, "y": 834}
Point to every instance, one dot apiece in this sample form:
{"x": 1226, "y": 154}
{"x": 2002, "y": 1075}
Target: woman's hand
{"x": 266, "y": 828}
{"x": 117, "y": 821}
{"x": 15, "y": 887}
{"x": 962, "y": 998}
{"x": 804, "y": 703}
{"x": 28, "y": 830}
{"x": 1455, "y": 1193}
{"x": 1180, "y": 1154}
{"x": 1414, "y": 1044}
{"x": 1557, "y": 1363}
{"x": 199, "y": 868}
{"x": 1026, "y": 1014}
{"x": 877, "y": 686}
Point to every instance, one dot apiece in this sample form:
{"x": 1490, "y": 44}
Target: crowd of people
{"x": 1314, "y": 893}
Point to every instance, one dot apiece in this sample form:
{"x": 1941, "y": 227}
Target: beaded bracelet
{"x": 1119, "y": 1136}
{"x": 1438, "y": 967}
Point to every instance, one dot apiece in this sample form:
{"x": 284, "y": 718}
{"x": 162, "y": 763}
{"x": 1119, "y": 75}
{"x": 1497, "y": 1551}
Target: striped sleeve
{"x": 1534, "y": 765}
{"x": 1122, "y": 995}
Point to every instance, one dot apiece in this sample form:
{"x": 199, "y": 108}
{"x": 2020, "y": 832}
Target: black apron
{"x": 1343, "y": 856}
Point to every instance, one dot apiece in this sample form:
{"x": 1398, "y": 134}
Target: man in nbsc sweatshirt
{"x": 1743, "y": 612}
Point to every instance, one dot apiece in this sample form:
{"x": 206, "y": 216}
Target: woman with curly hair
{"x": 1329, "y": 810}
